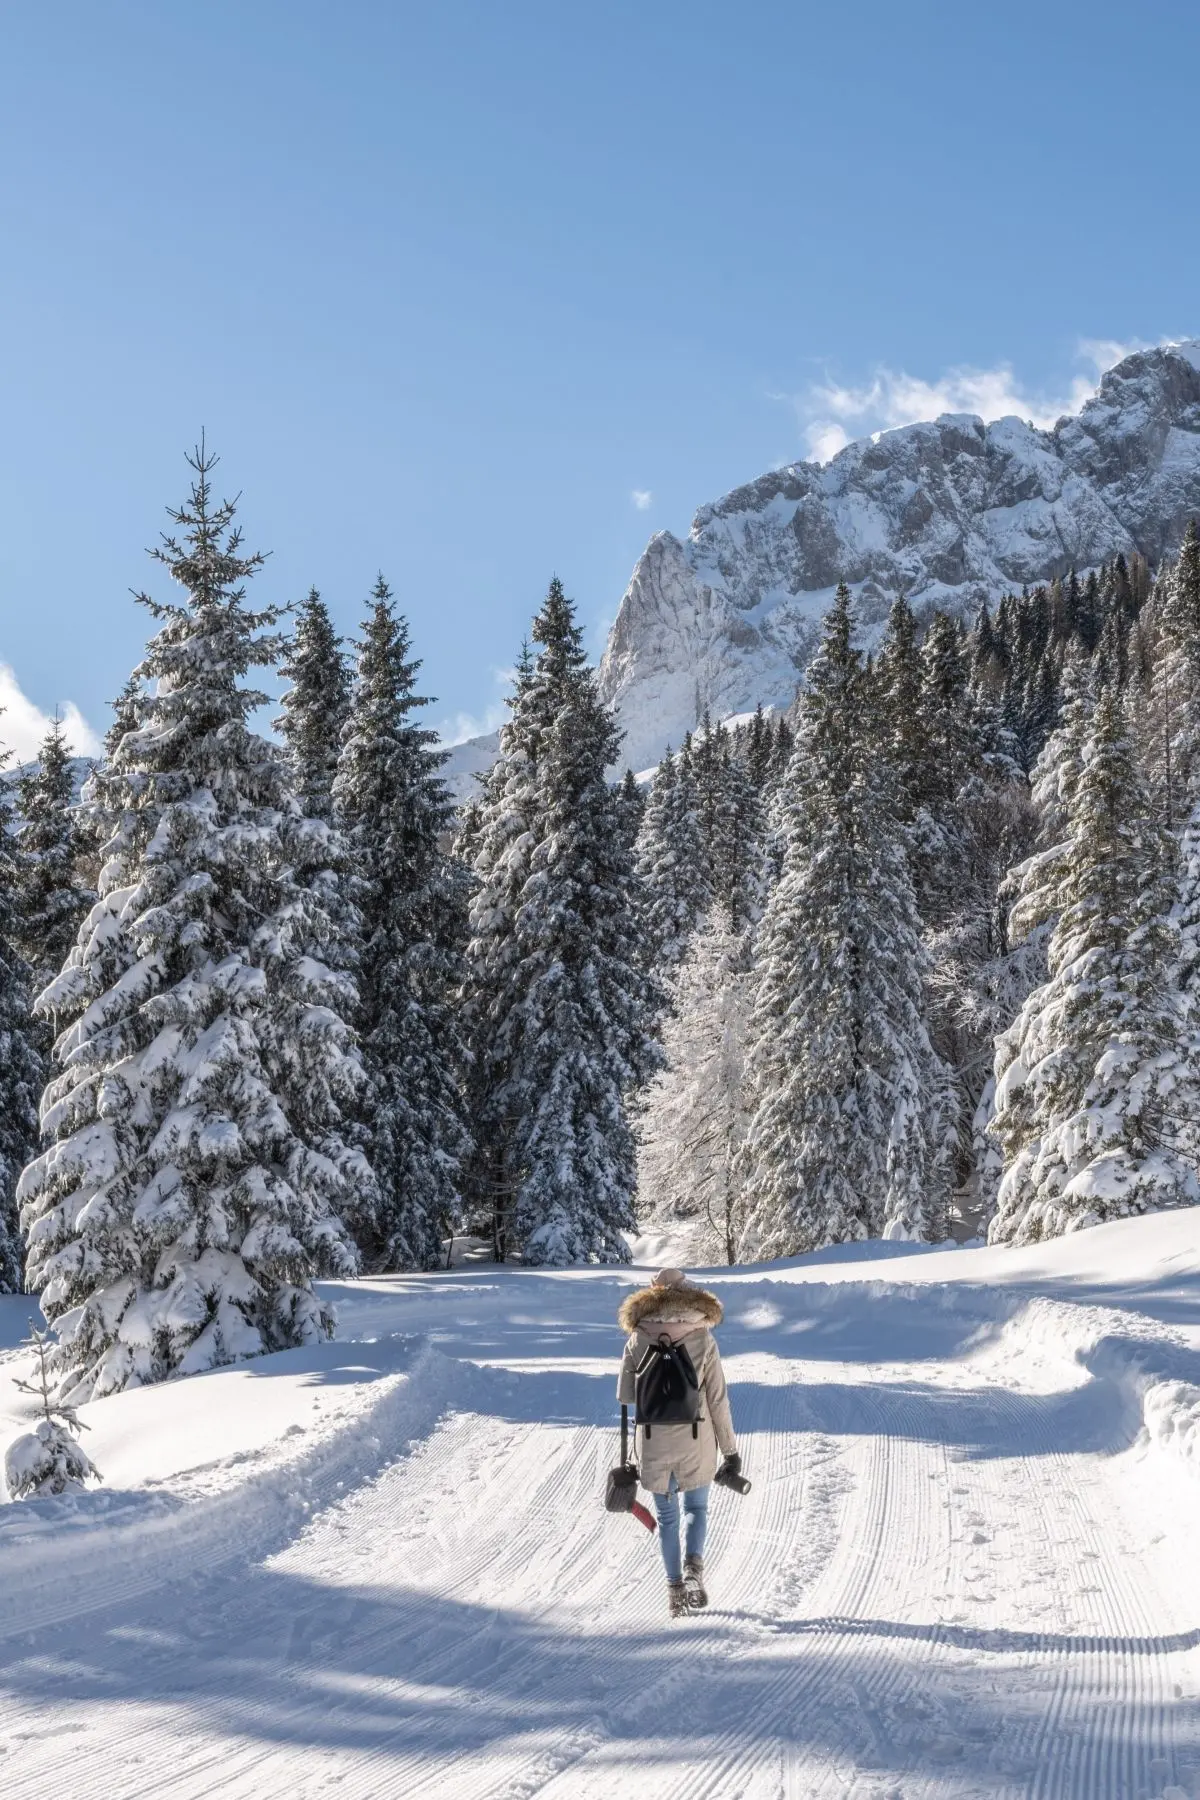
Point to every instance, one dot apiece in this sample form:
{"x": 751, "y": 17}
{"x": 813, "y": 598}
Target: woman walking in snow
{"x": 678, "y": 1458}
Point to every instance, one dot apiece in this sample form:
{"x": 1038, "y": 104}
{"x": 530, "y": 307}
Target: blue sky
{"x": 474, "y": 293}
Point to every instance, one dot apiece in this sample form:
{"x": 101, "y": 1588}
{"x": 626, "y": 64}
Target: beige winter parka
{"x": 686, "y": 1314}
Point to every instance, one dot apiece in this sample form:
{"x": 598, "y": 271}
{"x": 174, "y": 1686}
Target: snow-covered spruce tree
{"x": 314, "y": 710}
{"x": 1034, "y": 886}
{"x": 898, "y": 681}
{"x": 727, "y": 821}
{"x": 180, "y": 1211}
{"x": 93, "y": 822}
{"x": 738, "y": 856}
{"x": 849, "y": 1134}
{"x": 665, "y": 921}
{"x": 21, "y": 1070}
{"x": 126, "y": 711}
{"x": 783, "y": 744}
{"x": 410, "y": 897}
{"x": 671, "y": 865}
{"x": 49, "y": 1459}
{"x": 759, "y": 740}
{"x": 1020, "y": 842}
{"x": 1096, "y": 1103}
{"x": 1169, "y": 700}
{"x": 495, "y": 841}
{"x": 312, "y": 720}
{"x": 51, "y": 898}
{"x": 631, "y": 809}
{"x": 559, "y": 1001}
{"x": 945, "y": 758}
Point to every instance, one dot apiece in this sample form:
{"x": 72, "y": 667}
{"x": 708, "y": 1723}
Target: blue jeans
{"x": 695, "y": 1508}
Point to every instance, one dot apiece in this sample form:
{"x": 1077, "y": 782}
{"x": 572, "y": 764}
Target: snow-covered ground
{"x": 967, "y": 1566}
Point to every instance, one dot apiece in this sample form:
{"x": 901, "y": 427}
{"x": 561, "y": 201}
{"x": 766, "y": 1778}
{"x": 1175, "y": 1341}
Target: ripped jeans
{"x": 695, "y": 1509}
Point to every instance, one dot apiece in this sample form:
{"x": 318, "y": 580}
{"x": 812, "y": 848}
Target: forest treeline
{"x": 920, "y": 951}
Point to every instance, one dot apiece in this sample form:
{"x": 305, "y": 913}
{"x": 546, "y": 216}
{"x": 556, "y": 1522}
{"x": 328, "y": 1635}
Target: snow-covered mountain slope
{"x": 468, "y": 760}
{"x": 950, "y": 512}
{"x": 381, "y": 1568}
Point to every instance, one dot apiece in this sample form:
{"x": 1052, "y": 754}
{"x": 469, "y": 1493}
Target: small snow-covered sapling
{"x": 49, "y": 1459}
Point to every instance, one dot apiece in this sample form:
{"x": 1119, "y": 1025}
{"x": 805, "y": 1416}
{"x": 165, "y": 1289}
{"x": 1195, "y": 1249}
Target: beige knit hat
{"x": 670, "y": 1278}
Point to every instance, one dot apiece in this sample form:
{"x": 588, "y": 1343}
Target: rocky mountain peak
{"x": 952, "y": 512}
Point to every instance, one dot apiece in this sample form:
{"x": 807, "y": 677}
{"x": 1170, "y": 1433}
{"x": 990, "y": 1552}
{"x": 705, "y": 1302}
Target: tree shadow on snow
{"x": 417, "y": 1680}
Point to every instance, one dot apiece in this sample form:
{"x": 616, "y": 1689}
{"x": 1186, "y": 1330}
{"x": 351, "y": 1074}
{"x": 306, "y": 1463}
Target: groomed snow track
{"x": 963, "y": 1570}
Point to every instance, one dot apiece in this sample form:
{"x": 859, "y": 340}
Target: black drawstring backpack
{"x": 668, "y": 1387}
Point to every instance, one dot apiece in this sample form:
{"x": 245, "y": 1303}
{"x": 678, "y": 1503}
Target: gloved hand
{"x": 729, "y": 1475}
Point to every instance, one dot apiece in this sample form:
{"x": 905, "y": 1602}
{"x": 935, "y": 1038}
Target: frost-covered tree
{"x": 1096, "y": 1104}
{"x": 314, "y": 710}
{"x": 692, "y": 1118}
{"x": 51, "y": 899}
{"x": 185, "y": 1200}
{"x": 21, "y": 1071}
{"x": 410, "y": 896}
{"x": 559, "y": 1001}
{"x": 849, "y": 1133}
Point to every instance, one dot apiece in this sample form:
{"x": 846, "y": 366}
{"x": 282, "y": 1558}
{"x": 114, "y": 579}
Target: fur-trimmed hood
{"x": 682, "y": 1302}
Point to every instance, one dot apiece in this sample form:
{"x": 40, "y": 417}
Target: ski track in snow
{"x": 962, "y": 1573}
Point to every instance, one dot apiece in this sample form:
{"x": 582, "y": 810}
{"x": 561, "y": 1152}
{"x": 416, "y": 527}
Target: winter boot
{"x": 693, "y": 1581}
{"x": 677, "y": 1599}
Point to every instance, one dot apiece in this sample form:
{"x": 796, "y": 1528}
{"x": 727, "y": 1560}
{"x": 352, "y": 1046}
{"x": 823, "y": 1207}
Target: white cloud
{"x": 23, "y": 725}
{"x": 830, "y": 414}
{"x": 1105, "y": 353}
{"x": 825, "y": 438}
{"x": 457, "y": 727}
{"x": 641, "y": 498}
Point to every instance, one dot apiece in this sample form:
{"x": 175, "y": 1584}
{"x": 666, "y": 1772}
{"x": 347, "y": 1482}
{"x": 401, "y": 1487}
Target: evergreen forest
{"x": 917, "y": 958}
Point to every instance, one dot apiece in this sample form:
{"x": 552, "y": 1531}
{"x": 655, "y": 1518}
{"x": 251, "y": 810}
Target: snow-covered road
{"x": 966, "y": 1567}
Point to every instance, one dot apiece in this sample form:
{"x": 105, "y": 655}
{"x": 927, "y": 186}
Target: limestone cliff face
{"x": 951, "y": 513}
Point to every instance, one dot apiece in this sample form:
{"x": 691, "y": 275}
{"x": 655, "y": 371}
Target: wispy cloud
{"x": 831, "y": 414}
{"x": 457, "y": 727}
{"x": 23, "y": 726}
{"x": 641, "y": 498}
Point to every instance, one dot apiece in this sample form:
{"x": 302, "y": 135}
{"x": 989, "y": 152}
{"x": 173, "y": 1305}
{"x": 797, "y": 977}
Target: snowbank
{"x": 203, "y": 1471}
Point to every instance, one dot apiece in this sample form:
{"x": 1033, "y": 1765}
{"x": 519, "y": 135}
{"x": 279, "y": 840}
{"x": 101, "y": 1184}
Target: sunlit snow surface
{"x": 967, "y": 1566}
